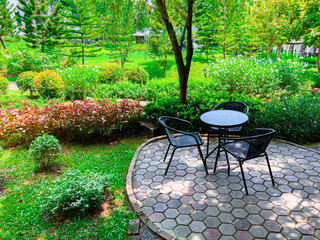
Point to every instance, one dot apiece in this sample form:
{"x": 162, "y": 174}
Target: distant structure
{"x": 298, "y": 49}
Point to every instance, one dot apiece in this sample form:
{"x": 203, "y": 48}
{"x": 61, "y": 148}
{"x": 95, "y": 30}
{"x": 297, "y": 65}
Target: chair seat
{"x": 237, "y": 148}
{"x": 182, "y": 140}
{"x": 230, "y": 130}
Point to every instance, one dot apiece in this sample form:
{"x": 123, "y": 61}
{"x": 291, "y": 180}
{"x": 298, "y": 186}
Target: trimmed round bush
{"x": 44, "y": 150}
{"x": 49, "y": 84}
{"x": 111, "y": 74}
{"x": 25, "y": 81}
{"x": 138, "y": 75}
{"x": 4, "y": 85}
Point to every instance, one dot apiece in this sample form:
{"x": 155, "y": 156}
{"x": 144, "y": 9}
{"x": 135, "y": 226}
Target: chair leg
{"x": 269, "y": 169}
{"x": 217, "y": 157}
{"x": 167, "y": 152}
{"x": 208, "y": 142}
{"x": 227, "y": 162}
{"x": 244, "y": 180}
{"x": 203, "y": 160}
{"x": 170, "y": 161}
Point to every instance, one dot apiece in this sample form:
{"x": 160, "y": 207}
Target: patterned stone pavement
{"x": 188, "y": 204}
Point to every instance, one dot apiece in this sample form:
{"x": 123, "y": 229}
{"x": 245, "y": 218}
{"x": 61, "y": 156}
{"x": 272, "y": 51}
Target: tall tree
{"x": 204, "y": 21}
{"x": 306, "y": 20}
{"x": 40, "y": 22}
{"x": 271, "y": 18}
{"x": 82, "y": 28}
{"x": 183, "y": 66}
{"x": 6, "y": 22}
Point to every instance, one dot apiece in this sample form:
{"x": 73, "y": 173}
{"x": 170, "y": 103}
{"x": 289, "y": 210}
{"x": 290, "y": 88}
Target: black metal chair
{"x": 230, "y": 105}
{"x": 246, "y": 148}
{"x": 181, "y": 138}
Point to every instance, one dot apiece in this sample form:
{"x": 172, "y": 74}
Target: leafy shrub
{"x": 295, "y": 119}
{"x": 111, "y": 74}
{"x": 33, "y": 60}
{"x": 138, "y": 75}
{"x": 76, "y": 193}
{"x": 310, "y": 60}
{"x": 25, "y": 81}
{"x": 44, "y": 150}
{"x": 313, "y": 77}
{"x": 196, "y": 106}
{"x": 80, "y": 82}
{"x": 49, "y": 84}
{"x": 4, "y": 85}
{"x": 76, "y": 120}
{"x": 259, "y": 78}
{"x": 70, "y": 62}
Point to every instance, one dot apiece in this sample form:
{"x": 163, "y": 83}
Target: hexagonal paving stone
{"x": 199, "y": 205}
{"x": 183, "y": 219}
{"x": 168, "y": 223}
{"x": 241, "y": 224}
{"x": 197, "y": 226}
{"x": 212, "y": 222}
{"x": 198, "y": 215}
{"x": 243, "y": 235}
{"x": 171, "y": 213}
{"x": 272, "y": 226}
{"x": 227, "y": 229}
{"x": 212, "y": 234}
{"x": 160, "y": 207}
{"x": 182, "y": 231}
{"x": 258, "y": 231}
{"x": 305, "y": 228}
{"x": 156, "y": 217}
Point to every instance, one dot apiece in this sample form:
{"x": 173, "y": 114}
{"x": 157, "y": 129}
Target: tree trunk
{"x": 4, "y": 46}
{"x": 183, "y": 70}
{"x": 165, "y": 62}
{"x": 82, "y": 41}
{"x": 279, "y": 45}
{"x": 269, "y": 48}
{"x": 318, "y": 62}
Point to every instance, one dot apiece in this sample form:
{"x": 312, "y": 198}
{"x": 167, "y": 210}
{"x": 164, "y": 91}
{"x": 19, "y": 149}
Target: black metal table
{"x": 222, "y": 119}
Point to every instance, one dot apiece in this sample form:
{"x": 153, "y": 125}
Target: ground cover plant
{"x": 28, "y": 192}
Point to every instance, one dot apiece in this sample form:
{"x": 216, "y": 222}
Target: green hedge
{"x": 296, "y": 119}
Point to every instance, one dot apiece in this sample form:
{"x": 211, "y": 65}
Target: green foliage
{"x": 82, "y": 28}
{"x": 49, "y": 84}
{"x": 138, "y": 75}
{"x": 76, "y": 193}
{"x": 25, "y": 81}
{"x": 33, "y": 60}
{"x": 70, "y": 62}
{"x": 4, "y": 85}
{"x": 313, "y": 77}
{"x": 259, "y": 78}
{"x": 296, "y": 120}
{"x": 40, "y": 23}
{"x": 111, "y": 74}
{"x": 6, "y": 22}
{"x": 72, "y": 121}
{"x": 102, "y": 159}
{"x": 196, "y": 106}
{"x": 80, "y": 82}
{"x": 44, "y": 150}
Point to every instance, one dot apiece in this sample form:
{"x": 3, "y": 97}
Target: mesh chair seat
{"x": 181, "y": 140}
{"x": 238, "y": 148}
{"x": 246, "y": 148}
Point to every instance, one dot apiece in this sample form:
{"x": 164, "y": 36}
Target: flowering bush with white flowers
{"x": 260, "y": 78}
{"x": 80, "y": 81}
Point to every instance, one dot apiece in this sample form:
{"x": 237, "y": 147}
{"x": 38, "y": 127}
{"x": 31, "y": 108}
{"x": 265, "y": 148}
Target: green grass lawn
{"x": 20, "y": 210}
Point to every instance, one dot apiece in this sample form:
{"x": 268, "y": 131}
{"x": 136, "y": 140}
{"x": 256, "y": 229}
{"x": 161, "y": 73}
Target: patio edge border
{"x": 132, "y": 198}
{"x": 133, "y": 201}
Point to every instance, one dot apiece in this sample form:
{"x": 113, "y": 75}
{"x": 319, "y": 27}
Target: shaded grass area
{"x": 15, "y": 99}
{"x": 20, "y": 203}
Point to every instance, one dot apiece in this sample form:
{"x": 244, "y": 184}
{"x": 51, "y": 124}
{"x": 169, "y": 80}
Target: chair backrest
{"x": 259, "y": 144}
{"x": 166, "y": 122}
{"x": 233, "y": 105}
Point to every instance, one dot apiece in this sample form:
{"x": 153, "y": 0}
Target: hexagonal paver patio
{"x": 189, "y": 204}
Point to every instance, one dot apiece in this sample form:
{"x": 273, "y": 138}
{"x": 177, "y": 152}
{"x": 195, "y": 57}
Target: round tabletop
{"x": 224, "y": 118}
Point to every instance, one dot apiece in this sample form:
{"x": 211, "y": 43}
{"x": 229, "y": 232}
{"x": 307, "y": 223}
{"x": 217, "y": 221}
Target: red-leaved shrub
{"x": 70, "y": 121}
